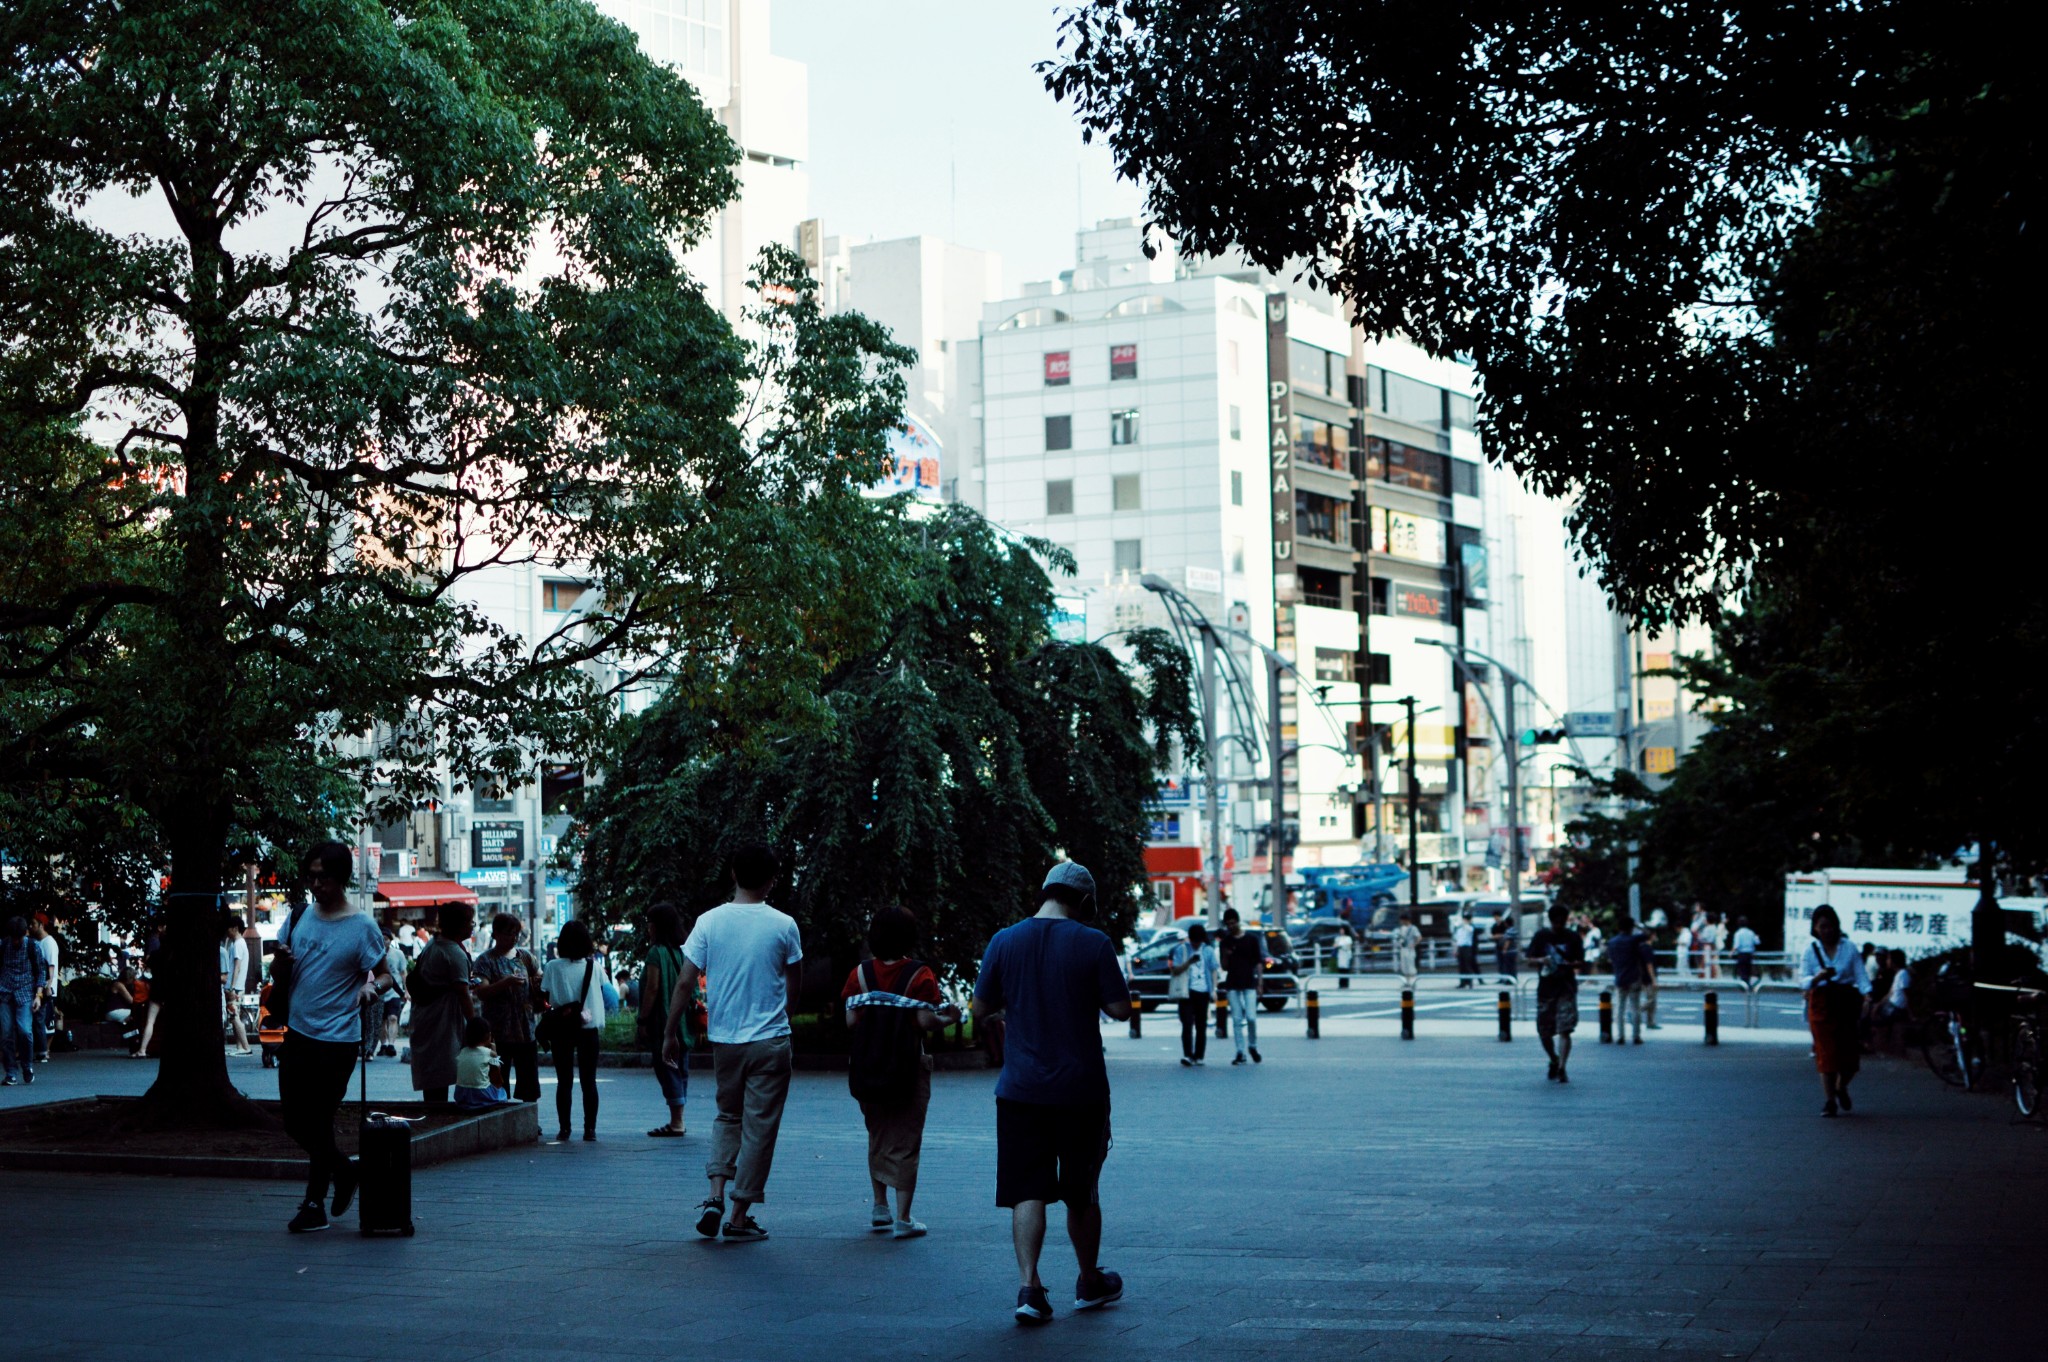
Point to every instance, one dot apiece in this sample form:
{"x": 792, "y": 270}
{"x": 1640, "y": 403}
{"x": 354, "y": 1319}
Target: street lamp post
{"x": 1407, "y": 703}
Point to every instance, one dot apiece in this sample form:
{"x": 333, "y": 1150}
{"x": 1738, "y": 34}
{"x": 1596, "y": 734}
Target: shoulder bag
{"x": 564, "y": 1021}
{"x": 282, "y": 968}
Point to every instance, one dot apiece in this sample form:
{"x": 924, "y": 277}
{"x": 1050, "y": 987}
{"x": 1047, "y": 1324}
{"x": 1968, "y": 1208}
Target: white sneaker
{"x": 909, "y": 1229}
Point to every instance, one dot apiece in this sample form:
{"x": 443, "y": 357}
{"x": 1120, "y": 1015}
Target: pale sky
{"x": 926, "y": 117}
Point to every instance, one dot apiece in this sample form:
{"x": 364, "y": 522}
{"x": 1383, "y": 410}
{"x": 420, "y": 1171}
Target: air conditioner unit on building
{"x": 399, "y": 865}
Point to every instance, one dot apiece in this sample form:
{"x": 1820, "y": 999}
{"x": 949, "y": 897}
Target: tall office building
{"x": 1226, "y": 429}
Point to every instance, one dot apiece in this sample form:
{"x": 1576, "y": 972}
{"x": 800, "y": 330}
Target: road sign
{"x": 1593, "y": 723}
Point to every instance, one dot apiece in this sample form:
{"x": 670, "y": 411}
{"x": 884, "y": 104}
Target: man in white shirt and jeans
{"x": 748, "y": 955}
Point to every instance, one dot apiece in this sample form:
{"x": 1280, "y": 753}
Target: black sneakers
{"x": 708, "y": 1215}
{"x": 741, "y": 1229}
{"x": 1255, "y": 1055}
{"x": 1032, "y": 1305}
{"x": 345, "y": 1178}
{"x": 1097, "y": 1288}
{"x": 309, "y": 1219}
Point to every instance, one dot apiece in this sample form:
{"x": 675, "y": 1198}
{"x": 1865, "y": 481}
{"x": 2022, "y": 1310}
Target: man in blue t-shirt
{"x": 1051, "y": 977}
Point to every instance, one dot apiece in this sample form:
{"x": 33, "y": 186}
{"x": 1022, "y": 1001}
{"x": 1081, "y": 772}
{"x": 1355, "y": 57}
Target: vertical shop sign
{"x": 1279, "y": 435}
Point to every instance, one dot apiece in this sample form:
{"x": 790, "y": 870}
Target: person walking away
{"x": 1832, "y": 976}
{"x": 658, "y": 976}
{"x": 1244, "y": 968}
{"x": 45, "y": 1018}
{"x": 1745, "y": 944}
{"x": 575, "y": 979}
{"x": 748, "y": 954}
{"x": 234, "y": 970}
{"x": 1465, "y": 940}
{"x": 1050, "y": 976}
{"x": 441, "y": 1003}
{"x": 1559, "y": 954}
{"x": 1408, "y": 950}
{"x": 507, "y": 979}
{"x": 393, "y": 1001}
{"x": 337, "y": 965}
{"x": 1634, "y": 964}
{"x": 891, "y": 1001}
{"x": 1506, "y": 937}
{"x": 22, "y": 972}
{"x": 479, "y": 1077}
{"x": 1192, "y": 983}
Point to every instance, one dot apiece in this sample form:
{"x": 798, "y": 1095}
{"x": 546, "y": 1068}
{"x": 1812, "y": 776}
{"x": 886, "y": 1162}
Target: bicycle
{"x": 2027, "y": 1057}
{"x": 1952, "y": 1049}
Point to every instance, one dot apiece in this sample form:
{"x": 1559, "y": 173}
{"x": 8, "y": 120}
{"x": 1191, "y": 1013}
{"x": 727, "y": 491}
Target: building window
{"x": 1464, "y": 412}
{"x": 1236, "y": 422}
{"x": 1059, "y": 432}
{"x": 1319, "y": 517}
{"x": 1379, "y": 605}
{"x": 1464, "y": 477}
{"x": 1059, "y": 368}
{"x": 1411, "y": 400}
{"x": 1059, "y": 497}
{"x": 1310, "y": 367}
{"x": 1123, "y": 427}
{"x": 1320, "y": 586}
{"x": 1237, "y": 487}
{"x": 1380, "y": 666}
{"x": 1129, "y": 557}
{"x": 1123, "y": 362}
{"x": 1233, "y": 357}
{"x": 1123, "y": 492}
{"x": 1423, "y": 469}
{"x": 1237, "y": 553}
{"x": 1322, "y": 444}
{"x": 560, "y": 597}
{"x": 1334, "y": 664}
{"x": 1033, "y": 316}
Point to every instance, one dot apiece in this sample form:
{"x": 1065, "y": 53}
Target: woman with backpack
{"x": 891, "y": 1001}
{"x": 658, "y": 977}
{"x": 574, "y": 984}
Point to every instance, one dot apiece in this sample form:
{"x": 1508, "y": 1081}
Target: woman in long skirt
{"x": 1832, "y": 974}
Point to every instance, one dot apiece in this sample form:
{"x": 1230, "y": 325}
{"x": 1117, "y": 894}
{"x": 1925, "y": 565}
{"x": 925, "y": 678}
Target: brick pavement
{"x": 1354, "y": 1197}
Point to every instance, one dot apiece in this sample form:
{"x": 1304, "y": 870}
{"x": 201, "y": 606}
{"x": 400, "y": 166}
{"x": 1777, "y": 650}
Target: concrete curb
{"x": 492, "y": 1129}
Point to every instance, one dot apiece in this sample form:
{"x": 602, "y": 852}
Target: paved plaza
{"x": 1353, "y": 1197}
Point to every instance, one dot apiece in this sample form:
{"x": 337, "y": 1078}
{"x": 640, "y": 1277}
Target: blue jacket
{"x": 22, "y": 968}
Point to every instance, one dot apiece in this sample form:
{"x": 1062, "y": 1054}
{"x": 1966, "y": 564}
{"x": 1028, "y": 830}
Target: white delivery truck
{"x": 1921, "y": 912}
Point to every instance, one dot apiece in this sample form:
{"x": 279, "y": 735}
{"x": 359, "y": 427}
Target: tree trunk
{"x": 192, "y": 1087}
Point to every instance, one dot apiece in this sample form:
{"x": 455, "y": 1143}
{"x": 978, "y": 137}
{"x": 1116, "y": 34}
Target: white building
{"x": 930, "y": 293}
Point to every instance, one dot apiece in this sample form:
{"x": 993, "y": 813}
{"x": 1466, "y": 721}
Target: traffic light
{"x": 1541, "y": 737}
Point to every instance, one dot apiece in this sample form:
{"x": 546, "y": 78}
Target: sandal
{"x": 666, "y": 1133}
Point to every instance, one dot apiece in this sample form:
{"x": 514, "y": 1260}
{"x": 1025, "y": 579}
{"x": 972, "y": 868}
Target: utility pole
{"x": 1276, "y": 858}
{"x": 1514, "y": 793}
{"x": 1212, "y": 818}
{"x": 1414, "y": 812}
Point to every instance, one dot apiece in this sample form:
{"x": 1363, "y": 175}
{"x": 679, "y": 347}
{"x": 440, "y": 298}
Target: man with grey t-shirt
{"x": 747, "y": 954}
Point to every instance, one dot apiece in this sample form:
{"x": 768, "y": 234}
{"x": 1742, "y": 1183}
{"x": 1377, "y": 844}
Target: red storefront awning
{"x": 424, "y": 893}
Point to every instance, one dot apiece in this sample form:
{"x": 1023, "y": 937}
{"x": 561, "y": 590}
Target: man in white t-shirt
{"x": 45, "y": 1019}
{"x": 747, "y": 954}
{"x": 234, "y": 971}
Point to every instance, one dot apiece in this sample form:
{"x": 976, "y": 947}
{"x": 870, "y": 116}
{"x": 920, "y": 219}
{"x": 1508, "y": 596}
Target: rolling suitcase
{"x": 383, "y": 1169}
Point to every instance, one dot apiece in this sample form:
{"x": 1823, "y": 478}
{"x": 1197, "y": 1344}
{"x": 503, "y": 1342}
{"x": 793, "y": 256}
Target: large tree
{"x": 314, "y": 311}
{"x": 1751, "y": 285}
{"x": 950, "y": 766}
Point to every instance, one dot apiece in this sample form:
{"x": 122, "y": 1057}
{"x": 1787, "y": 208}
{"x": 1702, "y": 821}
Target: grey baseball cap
{"x": 1073, "y": 875}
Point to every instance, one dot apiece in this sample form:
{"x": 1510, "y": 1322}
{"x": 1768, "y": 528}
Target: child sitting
{"x": 479, "y": 1078}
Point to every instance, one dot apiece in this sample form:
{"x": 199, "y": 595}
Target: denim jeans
{"x": 1244, "y": 1012}
{"x": 673, "y": 1078}
{"x": 17, "y": 1034}
{"x": 1628, "y": 1010}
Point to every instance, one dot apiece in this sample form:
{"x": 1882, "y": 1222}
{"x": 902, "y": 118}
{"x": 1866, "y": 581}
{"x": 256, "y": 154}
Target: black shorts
{"x": 392, "y": 1007}
{"x": 1049, "y": 1153}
